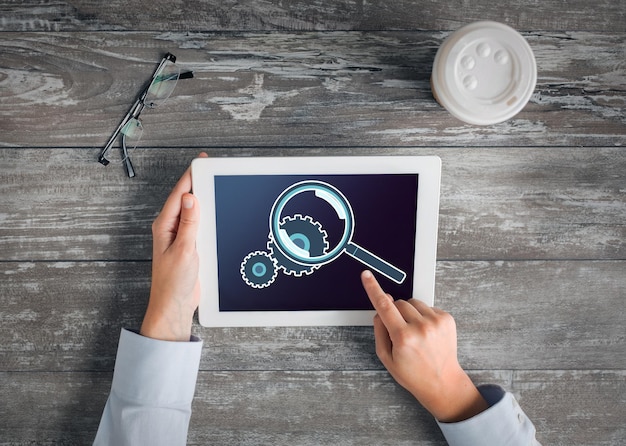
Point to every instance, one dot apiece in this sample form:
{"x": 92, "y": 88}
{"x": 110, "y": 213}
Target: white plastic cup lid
{"x": 484, "y": 73}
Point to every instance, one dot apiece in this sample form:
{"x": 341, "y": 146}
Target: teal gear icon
{"x": 308, "y": 235}
{"x": 258, "y": 269}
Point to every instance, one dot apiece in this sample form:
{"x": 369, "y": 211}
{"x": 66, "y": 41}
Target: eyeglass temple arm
{"x": 183, "y": 75}
{"x": 129, "y": 167}
{"x": 169, "y": 56}
{"x": 130, "y": 170}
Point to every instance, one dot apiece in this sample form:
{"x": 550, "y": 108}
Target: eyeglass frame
{"x": 134, "y": 113}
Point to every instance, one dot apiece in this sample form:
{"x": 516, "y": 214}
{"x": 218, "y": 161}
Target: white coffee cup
{"x": 484, "y": 73}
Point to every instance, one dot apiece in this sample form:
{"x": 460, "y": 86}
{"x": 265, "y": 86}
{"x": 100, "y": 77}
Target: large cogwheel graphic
{"x": 258, "y": 269}
{"x": 307, "y": 234}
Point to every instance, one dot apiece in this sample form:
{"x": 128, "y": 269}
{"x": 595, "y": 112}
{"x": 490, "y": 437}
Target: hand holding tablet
{"x": 175, "y": 289}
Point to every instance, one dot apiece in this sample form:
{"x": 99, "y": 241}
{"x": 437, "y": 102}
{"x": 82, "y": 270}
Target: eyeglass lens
{"x": 132, "y": 132}
{"x": 163, "y": 85}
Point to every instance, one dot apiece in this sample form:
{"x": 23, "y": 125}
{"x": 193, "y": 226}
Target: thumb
{"x": 189, "y": 222}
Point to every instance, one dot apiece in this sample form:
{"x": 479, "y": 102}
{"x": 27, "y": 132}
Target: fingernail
{"x": 187, "y": 202}
{"x": 367, "y": 274}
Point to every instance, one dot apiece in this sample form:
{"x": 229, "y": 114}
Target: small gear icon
{"x": 258, "y": 269}
{"x": 307, "y": 234}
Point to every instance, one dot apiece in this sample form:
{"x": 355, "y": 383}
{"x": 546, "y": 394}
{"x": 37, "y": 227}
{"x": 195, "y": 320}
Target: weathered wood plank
{"x": 51, "y": 408}
{"x": 531, "y": 241}
{"x": 513, "y": 315}
{"x": 305, "y": 89}
{"x": 320, "y": 408}
{"x": 496, "y": 203}
{"x": 300, "y": 15}
{"x": 54, "y": 314}
{"x": 314, "y": 408}
{"x": 537, "y": 313}
{"x": 367, "y": 408}
{"x": 565, "y": 409}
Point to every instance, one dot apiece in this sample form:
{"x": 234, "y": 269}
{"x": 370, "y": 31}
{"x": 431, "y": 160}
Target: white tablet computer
{"x": 283, "y": 241}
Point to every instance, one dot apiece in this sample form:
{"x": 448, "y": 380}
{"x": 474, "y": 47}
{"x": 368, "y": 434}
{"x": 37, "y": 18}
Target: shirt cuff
{"x": 156, "y": 373}
{"x": 503, "y": 422}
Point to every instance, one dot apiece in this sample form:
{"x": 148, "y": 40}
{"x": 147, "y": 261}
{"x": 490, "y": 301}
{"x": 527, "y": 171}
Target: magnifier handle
{"x": 375, "y": 262}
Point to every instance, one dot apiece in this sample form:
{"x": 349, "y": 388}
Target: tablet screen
{"x": 300, "y": 242}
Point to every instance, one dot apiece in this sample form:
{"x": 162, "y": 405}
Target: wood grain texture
{"x": 301, "y": 15}
{"x": 511, "y": 315}
{"x": 532, "y": 237}
{"x": 314, "y": 408}
{"x": 367, "y": 408}
{"x": 296, "y": 90}
{"x": 496, "y": 203}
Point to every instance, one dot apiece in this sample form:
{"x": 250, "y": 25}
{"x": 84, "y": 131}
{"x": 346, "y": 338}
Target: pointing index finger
{"x": 382, "y": 302}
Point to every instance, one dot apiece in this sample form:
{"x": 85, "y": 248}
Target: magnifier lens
{"x": 323, "y": 206}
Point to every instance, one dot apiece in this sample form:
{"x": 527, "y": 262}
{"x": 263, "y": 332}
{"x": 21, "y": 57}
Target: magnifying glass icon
{"x": 294, "y": 247}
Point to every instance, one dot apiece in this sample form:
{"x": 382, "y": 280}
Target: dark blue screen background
{"x": 384, "y": 209}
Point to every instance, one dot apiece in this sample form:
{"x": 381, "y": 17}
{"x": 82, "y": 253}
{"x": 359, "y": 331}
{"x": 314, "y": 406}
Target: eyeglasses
{"x": 161, "y": 86}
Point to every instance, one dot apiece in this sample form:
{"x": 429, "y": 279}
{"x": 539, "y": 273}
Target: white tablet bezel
{"x": 204, "y": 170}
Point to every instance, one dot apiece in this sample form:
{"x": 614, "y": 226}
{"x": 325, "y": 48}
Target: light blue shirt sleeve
{"x": 502, "y": 424}
{"x": 151, "y": 393}
{"x": 154, "y": 383}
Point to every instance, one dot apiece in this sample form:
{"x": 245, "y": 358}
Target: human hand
{"x": 417, "y": 345}
{"x": 175, "y": 289}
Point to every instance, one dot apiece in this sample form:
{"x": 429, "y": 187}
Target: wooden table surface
{"x": 531, "y": 253}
